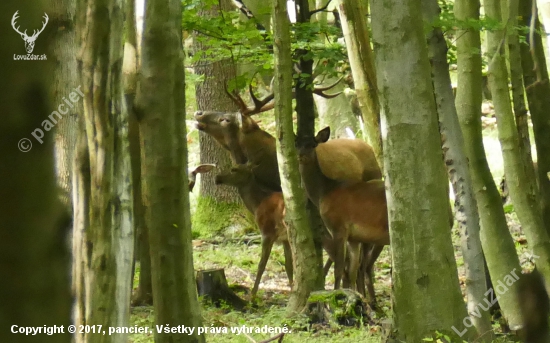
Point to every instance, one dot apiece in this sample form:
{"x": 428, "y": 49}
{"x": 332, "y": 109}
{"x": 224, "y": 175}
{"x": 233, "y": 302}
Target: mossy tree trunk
{"x": 305, "y": 130}
{"x": 457, "y": 168}
{"x": 65, "y": 80}
{"x": 510, "y": 15}
{"x": 109, "y": 236}
{"x": 354, "y": 26}
{"x": 496, "y": 241}
{"x": 535, "y": 77}
{"x": 216, "y": 201}
{"x": 426, "y": 292}
{"x": 35, "y": 264}
{"x": 161, "y": 111}
{"x": 523, "y": 191}
{"x": 300, "y": 234}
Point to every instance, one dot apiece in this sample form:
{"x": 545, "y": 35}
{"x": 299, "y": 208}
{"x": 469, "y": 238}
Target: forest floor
{"x": 238, "y": 255}
{"x": 239, "y": 260}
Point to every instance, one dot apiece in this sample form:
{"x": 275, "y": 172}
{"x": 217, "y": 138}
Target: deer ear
{"x": 204, "y": 168}
{"x": 323, "y": 135}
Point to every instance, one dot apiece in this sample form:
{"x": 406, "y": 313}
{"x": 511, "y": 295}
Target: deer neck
{"x": 253, "y": 194}
{"x": 317, "y": 185}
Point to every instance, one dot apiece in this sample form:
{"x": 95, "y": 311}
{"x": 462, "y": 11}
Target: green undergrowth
{"x": 212, "y": 218}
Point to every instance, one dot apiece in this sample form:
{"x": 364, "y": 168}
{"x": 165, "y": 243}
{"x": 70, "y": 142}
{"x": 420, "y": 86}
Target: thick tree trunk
{"x": 300, "y": 233}
{"x": 218, "y": 201}
{"x": 354, "y": 26}
{"x": 496, "y": 241}
{"x": 523, "y": 191}
{"x": 537, "y": 89}
{"x": 35, "y": 266}
{"x": 62, "y": 13}
{"x": 457, "y": 168}
{"x": 109, "y": 236}
{"x": 161, "y": 108}
{"x": 426, "y": 293}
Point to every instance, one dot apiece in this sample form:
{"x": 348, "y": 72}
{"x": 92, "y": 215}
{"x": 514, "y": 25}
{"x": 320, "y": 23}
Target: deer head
{"x": 29, "y": 40}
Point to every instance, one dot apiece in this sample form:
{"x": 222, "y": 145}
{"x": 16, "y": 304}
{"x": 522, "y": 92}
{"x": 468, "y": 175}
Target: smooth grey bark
{"x": 109, "y": 236}
{"x": 459, "y": 174}
{"x": 160, "y": 105}
{"x": 523, "y": 191}
{"x": 353, "y": 16}
{"x": 299, "y": 231}
{"x": 496, "y": 241}
{"x": 35, "y": 264}
{"x": 510, "y": 15}
{"x": 535, "y": 77}
{"x": 426, "y": 293}
{"x": 336, "y": 112}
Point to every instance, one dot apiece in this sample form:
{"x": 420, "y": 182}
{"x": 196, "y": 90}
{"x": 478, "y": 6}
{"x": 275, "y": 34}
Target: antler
{"x": 35, "y": 33}
{"x": 43, "y": 26}
{"x": 265, "y": 104}
{"x": 259, "y": 105}
{"x": 13, "y": 23}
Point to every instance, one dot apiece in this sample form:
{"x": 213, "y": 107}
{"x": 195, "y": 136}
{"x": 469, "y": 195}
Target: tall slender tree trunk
{"x": 457, "y": 168}
{"x": 161, "y": 112}
{"x": 336, "y": 112}
{"x": 109, "y": 236}
{"x": 354, "y": 25}
{"x": 65, "y": 79}
{"x": 299, "y": 230}
{"x": 510, "y": 15}
{"x": 535, "y": 77}
{"x": 219, "y": 201}
{"x": 523, "y": 191}
{"x": 496, "y": 241}
{"x": 426, "y": 293}
{"x": 35, "y": 266}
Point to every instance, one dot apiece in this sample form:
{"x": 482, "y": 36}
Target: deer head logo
{"x": 29, "y": 40}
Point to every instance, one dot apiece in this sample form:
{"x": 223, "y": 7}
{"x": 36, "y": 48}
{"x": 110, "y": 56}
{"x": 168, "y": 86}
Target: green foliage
{"x": 212, "y": 217}
{"x": 225, "y": 36}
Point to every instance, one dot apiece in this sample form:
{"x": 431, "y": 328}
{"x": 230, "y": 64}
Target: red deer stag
{"x": 354, "y": 212}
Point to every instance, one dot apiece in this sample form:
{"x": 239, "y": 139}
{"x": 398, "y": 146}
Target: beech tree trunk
{"x": 35, "y": 264}
{"x": 65, "y": 80}
{"x": 537, "y": 89}
{"x": 210, "y": 94}
{"x": 426, "y": 292}
{"x": 109, "y": 235}
{"x": 457, "y": 168}
{"x": 161, "y": 112}
{"x": 354, "y": 26}
{"x": 496, "y": 241}
{"x": 299, "y": 230}
{"x": 523, "y": 191}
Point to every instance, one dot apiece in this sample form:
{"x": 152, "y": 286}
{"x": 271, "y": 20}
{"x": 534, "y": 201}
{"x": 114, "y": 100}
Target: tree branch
{"x": 320, "y": 9}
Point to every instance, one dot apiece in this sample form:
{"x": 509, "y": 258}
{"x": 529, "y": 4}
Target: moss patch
{"x": 212, "y": 218}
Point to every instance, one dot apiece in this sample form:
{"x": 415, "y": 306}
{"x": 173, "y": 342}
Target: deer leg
{"x": 339, "y": 260}
{"x": 289, "y": 268}
{"x": 370, "y": 259}
{"x": 267, "y": 244}
{"x": 365, "y": 250}
{"x": 354, "y": 258}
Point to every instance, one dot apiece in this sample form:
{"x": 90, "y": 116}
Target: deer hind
{"x": 268, "y": 209}
{"x": 29, "y": 40}
{"x": 354, "y": 212}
